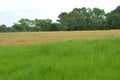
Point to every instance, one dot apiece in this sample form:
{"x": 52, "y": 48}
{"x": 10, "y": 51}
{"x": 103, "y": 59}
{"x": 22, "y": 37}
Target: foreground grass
{"x": 70, "y": 60}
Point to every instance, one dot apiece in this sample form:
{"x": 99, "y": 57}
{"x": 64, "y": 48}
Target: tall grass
{"x": 70, "y": 60}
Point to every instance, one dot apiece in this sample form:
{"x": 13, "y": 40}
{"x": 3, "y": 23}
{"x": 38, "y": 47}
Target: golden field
{"x": 18, "y": 38}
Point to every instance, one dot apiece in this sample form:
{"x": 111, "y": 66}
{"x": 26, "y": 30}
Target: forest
{"x": 77, "y": 19}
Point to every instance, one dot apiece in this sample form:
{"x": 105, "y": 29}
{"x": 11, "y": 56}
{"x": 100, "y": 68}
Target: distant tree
{"x": 77, "y": 19}
{"x": 3, "y": 28}
{"x": 72, "y": 20}
{"x": 61, "y": 16}
{"x": 23, "y": 25}
{"x": 32, "y": 25}
{"x": 42, "y": 25}
{"x": 117, "y": 9}
{"x": 10, "y": 29}
{"x": 54, "y": 27}
{"x": 87, "y": 14}
{"x": 18, "y": 27}
{"x": 82, "y": 19}
{"x": 26, "y": 24}
{"x": 98, "y": 18}
{"x": 61, "y": 20}
{"x": 113, "y": 19}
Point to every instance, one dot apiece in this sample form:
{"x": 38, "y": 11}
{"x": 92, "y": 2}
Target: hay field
{"x": 17, "y": 38}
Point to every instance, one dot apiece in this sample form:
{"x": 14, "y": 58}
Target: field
{"x": 18, "y": 38}
{"x": 76, "y": 55}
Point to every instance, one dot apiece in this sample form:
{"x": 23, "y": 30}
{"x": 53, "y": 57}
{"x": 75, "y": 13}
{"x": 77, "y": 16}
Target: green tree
{"x": 97, "y": 19}
{"x": 42, "y": 25}
{"x": 87, "y": 14}
{"x": 72, "y": 20}
{"x": 26, "y": 24}
{"x": 17, "y": 27}
{"x": 82, "y": 19}
{"x": 10, "y": 29}
{"x": 3, "y": 28}
{"x": 54, "y": 27}
{"x": 113, "y": 19}
{"x": 61, "y": 20}
{"x": 23, "y": 25}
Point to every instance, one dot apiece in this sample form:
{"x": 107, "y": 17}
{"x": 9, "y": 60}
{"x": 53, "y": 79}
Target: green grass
{"x": 70, "y": 60}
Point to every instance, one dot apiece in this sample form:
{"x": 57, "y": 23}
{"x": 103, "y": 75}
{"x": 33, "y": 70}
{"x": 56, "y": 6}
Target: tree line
{"x": 77, "y": 19}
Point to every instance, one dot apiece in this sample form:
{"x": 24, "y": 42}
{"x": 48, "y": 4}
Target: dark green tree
{"x": 72, "y": 20}
{"x": 42, "y": 25}
{"x": 3, "y": 28}
{"x": 82, "y": 19}
{"x": 113, "y": 19}
{"x": 54, "y": 27}
{"x": 97, "y": 19}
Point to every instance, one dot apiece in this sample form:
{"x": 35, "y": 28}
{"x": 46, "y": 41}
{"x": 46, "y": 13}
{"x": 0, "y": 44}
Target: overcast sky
{"x": 13, "y": 10}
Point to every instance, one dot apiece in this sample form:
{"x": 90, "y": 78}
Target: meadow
{"x": 23, "y": 38}
{"x": 80, "y": 55}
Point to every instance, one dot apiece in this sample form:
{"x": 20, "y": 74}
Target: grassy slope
{"x": 70, "y": 60}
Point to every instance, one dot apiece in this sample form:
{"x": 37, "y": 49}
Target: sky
{"x": 13, "y": 10}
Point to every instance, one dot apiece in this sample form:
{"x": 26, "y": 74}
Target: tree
{"x": 54, "y": 27}
{"x": 18, "y": 27}
{"x": 98, "y": 18}
{"x": 42, "y": 25}
{"x": 24, "y": 25}
{"x": 72, "y": 20}
{"x": 3, "y": 28}
{"x": 61, "y": 16}
{"x": 9, "y": 29}
{"x": 113, "y": 19}
{"x": 61, "y": 20}
{"x": 82, "y": 19}
{"x": 75, "y": 21}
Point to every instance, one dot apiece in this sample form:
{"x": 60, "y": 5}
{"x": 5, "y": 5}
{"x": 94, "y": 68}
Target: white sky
{"x": 13, "y": 10}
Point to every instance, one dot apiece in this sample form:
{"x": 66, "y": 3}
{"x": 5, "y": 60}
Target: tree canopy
{"x": 77, "y": 19}
{"x": 113, "y": 19}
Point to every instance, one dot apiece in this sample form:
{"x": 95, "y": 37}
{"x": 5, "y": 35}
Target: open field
{"x": 16, "y": 38}
{"x": 90, "y": 58}
{"x": 69, "y": 60}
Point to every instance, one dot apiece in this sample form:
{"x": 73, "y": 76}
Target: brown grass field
{"x": 18, "y": 38}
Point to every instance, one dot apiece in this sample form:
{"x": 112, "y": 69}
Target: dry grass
{"x": 17, "y": 38}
